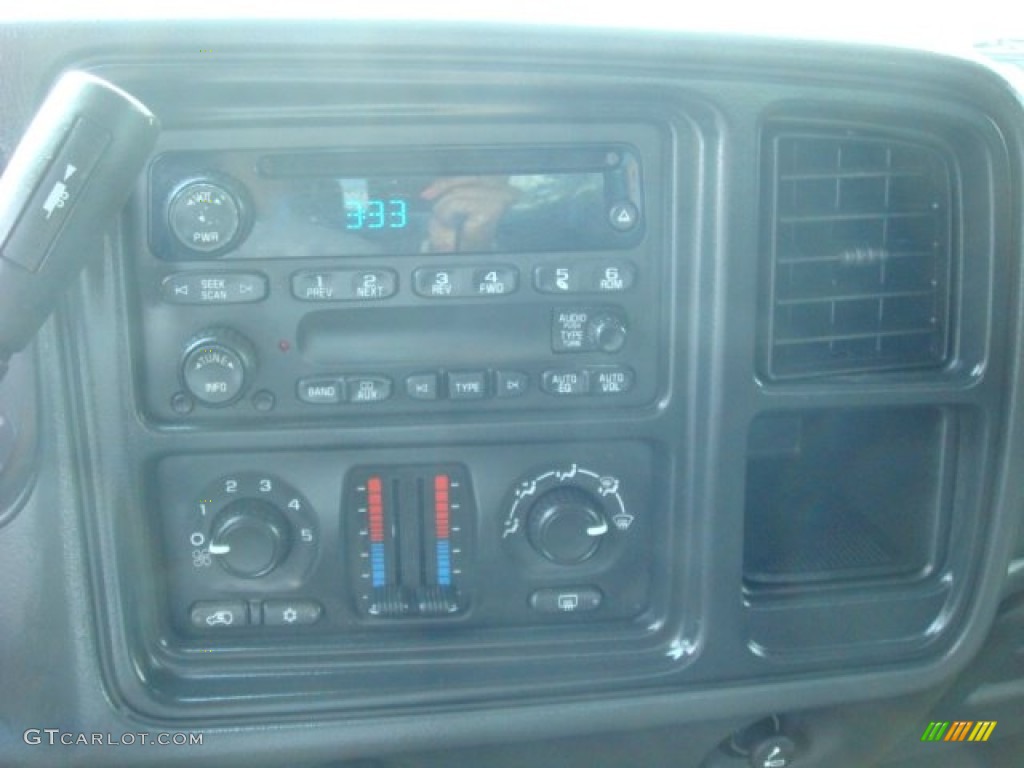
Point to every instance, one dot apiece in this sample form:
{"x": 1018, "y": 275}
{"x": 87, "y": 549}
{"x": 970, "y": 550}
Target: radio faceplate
{"x": 255, "y": 305}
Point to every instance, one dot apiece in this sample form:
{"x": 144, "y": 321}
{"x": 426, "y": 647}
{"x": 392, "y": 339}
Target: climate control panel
{"x": 363, "y": 542}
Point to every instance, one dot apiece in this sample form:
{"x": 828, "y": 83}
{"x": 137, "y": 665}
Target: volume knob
{"x": 206, "y": 216}
{"x": 216, "y": 366}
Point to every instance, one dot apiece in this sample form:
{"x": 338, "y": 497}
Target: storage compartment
{"x": 843, "y": 495}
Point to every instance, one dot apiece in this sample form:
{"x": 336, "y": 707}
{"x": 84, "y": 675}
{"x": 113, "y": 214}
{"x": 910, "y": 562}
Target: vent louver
{"x": 860, "y": 241}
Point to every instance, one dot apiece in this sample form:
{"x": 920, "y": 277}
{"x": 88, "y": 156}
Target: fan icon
{"x": 289, "y": 615}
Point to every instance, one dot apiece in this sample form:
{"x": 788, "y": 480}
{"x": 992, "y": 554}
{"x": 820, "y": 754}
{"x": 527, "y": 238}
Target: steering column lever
{"x": 71, "y": 173}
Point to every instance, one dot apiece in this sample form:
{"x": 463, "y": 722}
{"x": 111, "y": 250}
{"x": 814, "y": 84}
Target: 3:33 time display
{"x": 376, "y": 214}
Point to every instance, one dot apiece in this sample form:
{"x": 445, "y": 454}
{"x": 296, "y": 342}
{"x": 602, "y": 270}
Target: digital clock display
{"x": 376, "y": 214}
{"x": 464, "y": 214}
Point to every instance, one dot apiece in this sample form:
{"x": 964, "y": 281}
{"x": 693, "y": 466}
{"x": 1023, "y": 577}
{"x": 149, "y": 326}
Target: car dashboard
{"x": 483, "y": 395}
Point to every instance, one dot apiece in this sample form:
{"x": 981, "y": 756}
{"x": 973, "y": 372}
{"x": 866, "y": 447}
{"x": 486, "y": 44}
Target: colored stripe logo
{"x": 959, "y": 730}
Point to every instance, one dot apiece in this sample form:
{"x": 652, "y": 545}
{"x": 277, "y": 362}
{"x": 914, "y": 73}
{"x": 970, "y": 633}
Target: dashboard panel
{"x": 437, "y": 390}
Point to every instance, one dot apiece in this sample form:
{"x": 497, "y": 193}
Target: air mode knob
{"x": 216, "y": 366}
{"x": 250, "y": 538}
{"x": 566, "y": 525}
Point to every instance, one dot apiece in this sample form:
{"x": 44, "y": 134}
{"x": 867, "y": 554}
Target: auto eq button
{"x": 565, "y": 382}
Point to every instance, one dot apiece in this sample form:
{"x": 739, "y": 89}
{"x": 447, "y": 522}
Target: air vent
{"x": 860, "y": 244}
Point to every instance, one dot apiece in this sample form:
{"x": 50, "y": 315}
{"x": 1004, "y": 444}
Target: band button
{"x": 321, "y": 391}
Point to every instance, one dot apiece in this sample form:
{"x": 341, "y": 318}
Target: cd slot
{"x": 464, "y": 160}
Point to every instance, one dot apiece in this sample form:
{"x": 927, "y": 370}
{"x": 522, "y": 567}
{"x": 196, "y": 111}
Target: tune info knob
{"x": 250, "y": 538}
{"x": 566, "y": 525}
{"x": 216, "y": 366}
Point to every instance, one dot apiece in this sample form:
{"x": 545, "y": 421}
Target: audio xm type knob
{"x": 217, "y": 365}
{"x": 607, "y": 332}
{"x": 566, "y": 525}
{"x": 250, "y": 538}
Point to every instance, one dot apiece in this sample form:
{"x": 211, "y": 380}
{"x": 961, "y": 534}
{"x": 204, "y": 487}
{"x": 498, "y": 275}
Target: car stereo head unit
{"x": 396, "y": 202}
{"x": 304, "y": 282}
